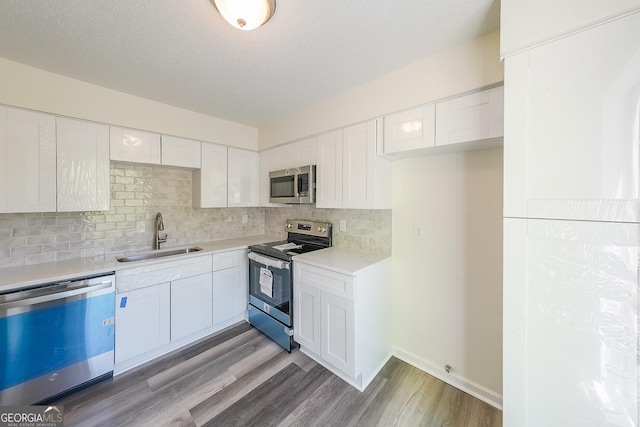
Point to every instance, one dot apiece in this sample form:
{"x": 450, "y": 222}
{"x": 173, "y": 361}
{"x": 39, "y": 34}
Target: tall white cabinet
{"x": 571, "y": 233}
{"x": 27, "y": 161}
{"x": 242, "y": 177}
{"x": 82, "y": 166}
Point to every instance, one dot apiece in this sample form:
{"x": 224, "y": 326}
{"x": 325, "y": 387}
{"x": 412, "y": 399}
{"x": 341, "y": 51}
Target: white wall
{"x": 460, "y": 69}
{"x": 447, "y": 287}
{"x": 525, "y": 23}
{"x": 32, "y": 88}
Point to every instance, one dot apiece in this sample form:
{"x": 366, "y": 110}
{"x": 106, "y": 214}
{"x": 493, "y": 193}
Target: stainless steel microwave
{"x": 293, "y": 185}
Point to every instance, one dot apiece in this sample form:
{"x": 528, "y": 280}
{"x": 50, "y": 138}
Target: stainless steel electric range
{"x": 271, "y": 278}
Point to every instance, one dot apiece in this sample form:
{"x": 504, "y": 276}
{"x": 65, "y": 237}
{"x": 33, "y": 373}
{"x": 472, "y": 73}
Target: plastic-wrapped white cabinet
{"x": 570, "y": 323}
{"x": 210, "y": 181}
{"x": 143, "y": 321}
{"x": 191, "y": 305}
{"x": 409, "y": 130}
{"x": 180, "y": 152}
{"x": 329, "y": 170}
{"x": 468, "y": 118}
{"x": 82, "y": 166}
{"x": 129, "y": 145}
{"x": 27, "y": 161}
{"x": 572, "y": 126}
{"x": 243, "y": 177}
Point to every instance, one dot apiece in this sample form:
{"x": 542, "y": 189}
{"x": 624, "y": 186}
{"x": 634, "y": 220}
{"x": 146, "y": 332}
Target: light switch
{"x": 343, "y": 225}
{"x": 245, "y": 219}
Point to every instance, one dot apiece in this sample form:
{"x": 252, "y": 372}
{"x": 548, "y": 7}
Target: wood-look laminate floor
{"x": 238, "y": 377}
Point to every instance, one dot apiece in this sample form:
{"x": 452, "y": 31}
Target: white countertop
{"x": 340, "y": 260}
{"x": 30, "y": 275}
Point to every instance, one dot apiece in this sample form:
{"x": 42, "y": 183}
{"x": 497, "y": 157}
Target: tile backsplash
{"x": 138, "y": 192}
{"x": 367, "y": 230}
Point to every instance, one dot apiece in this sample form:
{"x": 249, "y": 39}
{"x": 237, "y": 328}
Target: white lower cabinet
{"x": 337, "y": 320}
{"x": 342, "y": 320}
{"x": 191, "y": 305}
{"x": 229, "y": 287}
{"x": 142, "y": 321}
{"x": 163, "y": 306}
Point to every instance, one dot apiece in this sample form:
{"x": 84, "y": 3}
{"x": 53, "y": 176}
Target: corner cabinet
{"x": 343, "y": 320}
{"x": 243, "y": 178}
{"x": 349, "y": 172}
{"x": 82, "y": 166}
{"x": 27, "y": 138}
{"x": 210, "y": 181}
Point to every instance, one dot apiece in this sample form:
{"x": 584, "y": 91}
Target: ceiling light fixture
{"x": 246, "y": 14}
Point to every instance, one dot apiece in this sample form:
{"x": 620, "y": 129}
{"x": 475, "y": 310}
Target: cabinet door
{"x": 210, "y": 182}
{"x": 338, "y": 332}
{"x": 180, "y": 152}
{"x": 570, "y": 323}
{"x": 243, "y": 178}
{"x": 358, "y": 160}
{"x": 136, "y": 146}
{"x": 471, "y": 117}
{"x": 305, "y": 152}
{"x": 329, "y": 170}
{"x": 572, "y": 124}
{"x": 191, "y": 305}
{"x": 284, "y": 157}
{"x": 142, "y": 321}
{"x": 307, "y": 312}
{"x": 410, "y": 130}
{"x": 82, "y": 166}
{"x": 228, "y": 295}
{"x": 27, "y": 161}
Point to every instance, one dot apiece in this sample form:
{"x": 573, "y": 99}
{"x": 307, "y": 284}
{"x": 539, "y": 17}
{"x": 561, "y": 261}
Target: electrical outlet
{"x": 343, "y": 225}
{"x": 245, "y": 219}
{"x": 418, "y": 231}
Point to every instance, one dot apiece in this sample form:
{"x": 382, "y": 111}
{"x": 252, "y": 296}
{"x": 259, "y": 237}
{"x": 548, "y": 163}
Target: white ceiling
{"x": 181, "y": 52}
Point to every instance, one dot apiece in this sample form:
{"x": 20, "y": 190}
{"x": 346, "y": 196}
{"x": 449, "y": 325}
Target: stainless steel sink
{"x": 160, "y": 254}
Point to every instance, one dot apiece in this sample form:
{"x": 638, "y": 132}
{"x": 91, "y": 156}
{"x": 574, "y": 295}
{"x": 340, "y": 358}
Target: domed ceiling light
{"x": 246, "y": 14}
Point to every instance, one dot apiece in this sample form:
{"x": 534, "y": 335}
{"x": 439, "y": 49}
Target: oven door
{"x": 271, "y": 286}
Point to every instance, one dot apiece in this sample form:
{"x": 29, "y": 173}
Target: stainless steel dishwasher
{"x": 56, "y": 337}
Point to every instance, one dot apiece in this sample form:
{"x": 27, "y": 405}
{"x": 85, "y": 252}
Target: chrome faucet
{"x": 159, "y": 237}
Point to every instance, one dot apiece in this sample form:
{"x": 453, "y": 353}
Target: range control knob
{"x": 322, "y": 229}
{"x": 289, "y": 225}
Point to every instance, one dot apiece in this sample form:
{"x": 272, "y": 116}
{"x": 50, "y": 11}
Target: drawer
{"x": 325, "y": 280}
{"x": 224, "y": 260}
{"x": 147, "y": 275}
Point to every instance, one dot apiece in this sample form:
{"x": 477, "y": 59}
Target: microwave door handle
{"x": 295, "y": 185}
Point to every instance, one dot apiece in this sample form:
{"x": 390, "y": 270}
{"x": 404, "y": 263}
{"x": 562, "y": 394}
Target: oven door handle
{"x": 269, "y": 262}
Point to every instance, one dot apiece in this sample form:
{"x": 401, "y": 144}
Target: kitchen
{"x": 459, "y": 324}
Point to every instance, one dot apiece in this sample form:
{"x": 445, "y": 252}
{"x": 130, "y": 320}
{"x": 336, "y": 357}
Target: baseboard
{"x": 470, "y": 387}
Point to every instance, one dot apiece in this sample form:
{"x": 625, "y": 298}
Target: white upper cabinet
{"x": 573, "y": 125}
{"x": 409, "y": 130}
{"x": 284, "y": 157}
{"x": 210, "y": 182}
{"x": 329, "y": 170}
{"x": 136, "y": 146}
{"x": 473, "y": 117}
{"x": 243, "y": 177}
{"x": 180, "y": 152}
{"x": 366, "y": 178}
{"x": 305, "y": 152}
{"x": 27, "y": 161}
{"x": 82, "y": 166}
